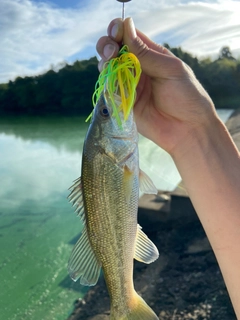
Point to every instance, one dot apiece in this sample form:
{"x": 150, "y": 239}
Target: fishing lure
{"x": 120, "y": 76}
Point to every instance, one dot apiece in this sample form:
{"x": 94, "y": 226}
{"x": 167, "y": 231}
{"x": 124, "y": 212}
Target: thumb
{"x": 156, "y": 61}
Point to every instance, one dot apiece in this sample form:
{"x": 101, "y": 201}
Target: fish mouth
{"x": 130, "y": 135}
{"x": 120, "y": 138}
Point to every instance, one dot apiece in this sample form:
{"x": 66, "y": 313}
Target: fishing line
{"x": 123, "y": 7}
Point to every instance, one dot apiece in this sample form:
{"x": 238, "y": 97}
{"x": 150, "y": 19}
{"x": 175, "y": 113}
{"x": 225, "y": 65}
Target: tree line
{"x": 68, "y": 90}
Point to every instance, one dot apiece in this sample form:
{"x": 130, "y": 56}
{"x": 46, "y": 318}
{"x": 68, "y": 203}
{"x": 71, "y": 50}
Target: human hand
{"x": 171, "y": 105}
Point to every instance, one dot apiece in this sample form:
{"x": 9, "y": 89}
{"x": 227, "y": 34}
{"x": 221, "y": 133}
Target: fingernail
{"x": 108, "y": 51}
{"x": 114, "y": 30}
{"x": 131, "y": 29}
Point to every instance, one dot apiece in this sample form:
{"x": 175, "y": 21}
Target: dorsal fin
{"x": 76, "y": 198}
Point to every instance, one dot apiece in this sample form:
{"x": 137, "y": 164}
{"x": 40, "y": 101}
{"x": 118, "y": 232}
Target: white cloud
{"x": 201, "y": 28}
{"x": 34, "y": 35}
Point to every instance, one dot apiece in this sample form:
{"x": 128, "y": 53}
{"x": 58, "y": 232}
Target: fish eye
{"x": 104, "y": 112}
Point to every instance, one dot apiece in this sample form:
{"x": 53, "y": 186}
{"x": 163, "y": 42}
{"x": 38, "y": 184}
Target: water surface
{"x": 39, "y": 160}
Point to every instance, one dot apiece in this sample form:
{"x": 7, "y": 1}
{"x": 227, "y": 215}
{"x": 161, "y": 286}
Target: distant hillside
{"x": 64, "y": 92}
{"x": 69, "y": 90}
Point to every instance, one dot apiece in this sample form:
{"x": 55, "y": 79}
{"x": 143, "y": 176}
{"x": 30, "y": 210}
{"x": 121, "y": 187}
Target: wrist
{"x": 209, "y": 163}
{"x": 199, "y": 142}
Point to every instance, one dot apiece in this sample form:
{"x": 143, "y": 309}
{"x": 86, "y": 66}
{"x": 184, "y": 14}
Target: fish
{"x": 106, "y": 198}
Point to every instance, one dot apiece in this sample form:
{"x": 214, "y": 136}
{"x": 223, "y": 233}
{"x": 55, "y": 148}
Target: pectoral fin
{"x": 145, "y": 249}
{"x": 145, "y": 183}
{"x": 76, "y": 198}
{"x": 128, "y": 177}
{"x": 83, "y": 263}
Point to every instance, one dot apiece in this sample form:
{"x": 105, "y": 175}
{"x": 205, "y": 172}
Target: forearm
{"x": 209, "y": 165}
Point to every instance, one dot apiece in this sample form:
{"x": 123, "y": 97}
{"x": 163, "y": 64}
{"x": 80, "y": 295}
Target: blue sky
{"x": 35, "y": 34}
{"x": 64, "y": 3}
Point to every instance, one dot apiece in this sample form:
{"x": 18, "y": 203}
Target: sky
{"x": 37, "y": 34}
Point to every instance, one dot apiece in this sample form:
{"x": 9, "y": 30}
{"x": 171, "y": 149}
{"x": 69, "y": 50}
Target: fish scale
{"x": 118, "y": 230}
{"x": 109, "y": 191}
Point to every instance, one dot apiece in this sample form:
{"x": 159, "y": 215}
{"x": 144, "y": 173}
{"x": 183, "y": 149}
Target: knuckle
{"x": 141, "y": 48}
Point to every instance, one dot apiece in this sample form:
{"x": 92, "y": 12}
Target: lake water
{"x": 39, "y": 159}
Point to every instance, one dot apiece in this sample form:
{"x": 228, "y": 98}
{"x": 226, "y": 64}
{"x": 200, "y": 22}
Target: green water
{"x": 39, "y": 159}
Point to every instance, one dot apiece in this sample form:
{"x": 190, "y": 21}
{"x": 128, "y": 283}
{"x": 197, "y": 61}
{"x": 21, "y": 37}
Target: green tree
{"x": 67, "y": 89}
{"x": 225, "y": 53}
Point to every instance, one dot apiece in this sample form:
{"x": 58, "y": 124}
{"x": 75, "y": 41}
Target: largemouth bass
{"x": 106, "y": 198}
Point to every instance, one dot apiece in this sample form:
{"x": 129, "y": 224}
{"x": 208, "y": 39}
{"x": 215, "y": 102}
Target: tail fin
{"x": 140, "y": 311}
